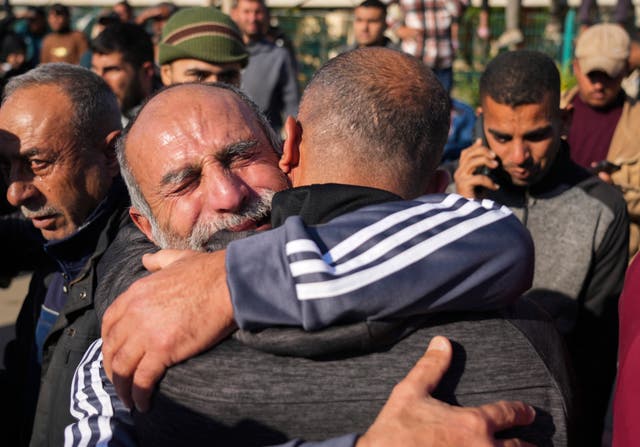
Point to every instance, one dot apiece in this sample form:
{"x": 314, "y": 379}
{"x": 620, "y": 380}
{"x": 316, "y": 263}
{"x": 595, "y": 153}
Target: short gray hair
{"x": 95, "y": 110}
{"x": 137, "y": 198}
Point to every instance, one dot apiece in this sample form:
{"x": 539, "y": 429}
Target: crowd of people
{"x": 197, "y": 279}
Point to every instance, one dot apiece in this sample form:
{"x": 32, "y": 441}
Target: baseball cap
{"x": 202, "y": 33}
{"x": 603, "y": 47}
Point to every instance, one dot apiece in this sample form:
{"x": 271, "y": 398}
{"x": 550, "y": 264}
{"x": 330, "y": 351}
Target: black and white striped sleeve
{"x": 101, "y": 417}
{"x": 436, "y": 253}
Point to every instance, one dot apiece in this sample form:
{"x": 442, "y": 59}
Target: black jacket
{"x": 46, "y": 410}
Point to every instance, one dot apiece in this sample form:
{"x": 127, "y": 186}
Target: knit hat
{"x": 202, "y": 33}
{"x": 603, "y": 47}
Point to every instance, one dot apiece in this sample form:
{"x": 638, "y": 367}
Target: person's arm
{"x": 101, "y": 417}
{"x": 401, "y": 258}
{"x": 610, "y": 261}
{"x": 444, "y": 253}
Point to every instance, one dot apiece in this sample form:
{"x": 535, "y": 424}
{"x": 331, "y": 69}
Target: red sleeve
{"x": 626, "y": 429}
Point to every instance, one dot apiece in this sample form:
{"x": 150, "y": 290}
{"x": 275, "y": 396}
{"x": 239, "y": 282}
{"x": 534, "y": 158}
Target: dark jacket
{"x": 46, "y": 410}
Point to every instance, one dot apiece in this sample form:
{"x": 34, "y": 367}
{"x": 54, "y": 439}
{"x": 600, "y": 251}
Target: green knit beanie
{"x": 202, "y": 33}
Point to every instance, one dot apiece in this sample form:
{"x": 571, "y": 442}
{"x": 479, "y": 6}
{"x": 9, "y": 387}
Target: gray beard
{"x": 211, "y": 236}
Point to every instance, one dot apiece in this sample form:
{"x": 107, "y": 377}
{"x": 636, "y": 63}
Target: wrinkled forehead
{"x": 189, "y": 122}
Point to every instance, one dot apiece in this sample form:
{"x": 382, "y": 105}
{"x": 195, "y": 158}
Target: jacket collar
{"x": 317, "y": 204}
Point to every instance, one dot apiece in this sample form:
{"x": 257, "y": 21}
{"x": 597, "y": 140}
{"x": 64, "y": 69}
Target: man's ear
{"x": 576, "y": 66}
{"x": 291, "y": 147}
{"x": 165, "y": 74}
{"x": 438, "y": 182}
{"x": 110, "y": 153}
{"x": 142, "y": 223}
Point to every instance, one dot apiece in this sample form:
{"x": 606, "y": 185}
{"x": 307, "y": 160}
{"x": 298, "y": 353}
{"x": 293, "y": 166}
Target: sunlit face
{"x": 194, "y": 70}
{"x": 57, "y": 21}
{"x": 369, "y": 26}
{"x": 250, "y": 16}
{"x": 597, "y": 88}
{"x": 121, "y": 76}
{"x": 206, "y": 168}
{"x": 526, "y": 137}
{"x": 53, "y": 181}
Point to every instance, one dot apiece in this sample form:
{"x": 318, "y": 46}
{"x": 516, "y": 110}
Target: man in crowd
{"x": 604, "y": 124}
{"x": 62, "y": 44}
{"x": 427, "y": 33}
{"x": 369, "y": 26}
{"x": 578, "y": 223}
{"x": 201, "y": 44}
{"x": 58, "y": 125}
{"x": 123, "y": 57}
{"x": 191, "y": 190}
{"x": 270, "y": 78}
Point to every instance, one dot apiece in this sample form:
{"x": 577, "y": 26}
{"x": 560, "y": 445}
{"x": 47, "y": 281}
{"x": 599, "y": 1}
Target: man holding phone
{"x": 604, "y": 128}
{"x": 578, "y": 223}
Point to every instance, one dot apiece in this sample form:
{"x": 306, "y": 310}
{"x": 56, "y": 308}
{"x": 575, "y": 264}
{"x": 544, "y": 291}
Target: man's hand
{"x": 469, "y": 184}
{"x": 411, "y": 417}
{"x": 165, "y": 318}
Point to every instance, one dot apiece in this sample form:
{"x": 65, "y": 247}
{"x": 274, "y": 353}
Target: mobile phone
{"x": 478, "y": 131}
{"x": 605, "y": 166}
{"x": 497, "y": 175}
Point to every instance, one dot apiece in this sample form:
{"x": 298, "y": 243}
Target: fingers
{"x": 161, "y": 259}
{"x": 426, "y": 374}
{"x": 502, "y": 415}
{"x": 475, "y": 157}
{"x": 468, "y": 182}
{"x": 124, "y": 362}
{"x": 148, "y": 372}
{"x": 111, "y": 343}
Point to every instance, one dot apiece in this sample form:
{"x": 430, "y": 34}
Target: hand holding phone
{"x": 604, "y": 166}
{"x": 473, "y": 175}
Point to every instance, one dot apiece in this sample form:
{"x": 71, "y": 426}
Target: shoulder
{"x": 608, "y": 196}
{"x": 121, "y": 265}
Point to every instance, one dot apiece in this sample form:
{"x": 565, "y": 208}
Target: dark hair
{"x": 12, "y": 44}
{"x": 60, "y": 9}
{"x": 521, "y": 77}
{"x": 373, "y": 4}
{"x": 126, "y": 5}
{"x": 37, "y": 10}
{"x": 382, "y": 109}
{"x": 131, "y": 40}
